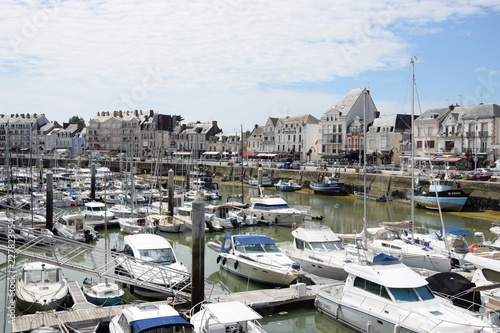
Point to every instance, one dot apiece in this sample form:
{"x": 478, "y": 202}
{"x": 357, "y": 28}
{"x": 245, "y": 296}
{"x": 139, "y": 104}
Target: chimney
{"x": 376, "y": 114}
{"x": 151, "y": 113}
{"x": 451, "y": 107}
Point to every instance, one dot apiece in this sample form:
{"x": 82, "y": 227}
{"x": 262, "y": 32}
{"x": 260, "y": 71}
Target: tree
{"x": 76, "y": 120}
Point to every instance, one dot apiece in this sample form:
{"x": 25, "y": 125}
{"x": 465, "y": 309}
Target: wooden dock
{"x": 86, "y": 316}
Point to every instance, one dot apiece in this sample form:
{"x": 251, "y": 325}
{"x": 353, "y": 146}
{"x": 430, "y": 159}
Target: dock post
{"x": 92, "y": 181}
{"x": 170, "y": 187}
{"x": 198, "y": 254}
{"x": 49, "y": 208}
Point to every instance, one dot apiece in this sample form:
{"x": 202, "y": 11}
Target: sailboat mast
{"x": 364, "y": 168}
{"x": 412, "y": 165}
{"x": 242, "y": 166}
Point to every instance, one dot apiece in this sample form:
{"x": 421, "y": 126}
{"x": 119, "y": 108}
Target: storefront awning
{"x": 211, "y": 153}
{"x": 250, "y": 154}
{"x": 185, "y": 153}
{"x": 446, "y": 159}
{"x": 265, "y": 155}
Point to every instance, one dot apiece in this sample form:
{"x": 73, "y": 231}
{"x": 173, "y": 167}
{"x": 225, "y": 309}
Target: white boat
{"x": 151, "y": 258}
{"x": 392, "y": 239}
{"x": 453, "y": 244}
{"x": 120, "y": 210}
{"x": 257, "y": 258}
{"x": 166, "y": 223}
{"x": 137, "y": 225}
{"x": 319, "y": 251}
{"x": 149, "y": 318}
{"x": 275, "y": 210}
{"x": 495, "y": 228}
{"x": 388, "y": 296}
{"x": 230, "y": 215}
{"x": 40, "y": 287}
{"x": 226, "y": 317}
{"x": 41, "y": 235}
{"x": 73, "y": 226}
{"x": 183, "y": 214}
{"x": 266, "y": 181}
{"x": 96, "y": 211}
{"x": 102, "y": 293}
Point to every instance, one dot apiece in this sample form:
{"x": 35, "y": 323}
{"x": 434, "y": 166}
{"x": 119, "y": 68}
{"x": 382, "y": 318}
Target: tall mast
{"x": 364, "y": 169}
{"x": 412, "y": 166}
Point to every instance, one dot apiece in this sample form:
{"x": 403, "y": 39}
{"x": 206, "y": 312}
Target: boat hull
{"x": 253, "y": 271}
{"x": 328, "y": 189}
{"x": 448, "y": 203}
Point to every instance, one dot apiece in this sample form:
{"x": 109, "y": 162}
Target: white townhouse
{"x": 295, "y": 137}
{"x": 356, "y": 105}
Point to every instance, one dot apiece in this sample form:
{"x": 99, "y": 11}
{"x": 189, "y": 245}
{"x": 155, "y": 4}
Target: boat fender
{"x": 132, "y": 288}
{"x": 340, "y": 239}
{"x": 218, "y": 259}
{"x": 397, "y": 328}
{"x": 473, "y": 247}
{"x": 276, "y": 220}
{"x": 236, "y": 263}
{"x": 224, "y": 261}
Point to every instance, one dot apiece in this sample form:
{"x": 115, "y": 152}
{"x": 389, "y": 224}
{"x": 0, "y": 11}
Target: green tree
{"x": 76, "y": 120}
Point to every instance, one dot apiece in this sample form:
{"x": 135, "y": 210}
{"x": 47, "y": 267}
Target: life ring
{"x": 473, "y": 247}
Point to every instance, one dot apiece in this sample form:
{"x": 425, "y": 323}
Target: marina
{"x": 342, "y": 214}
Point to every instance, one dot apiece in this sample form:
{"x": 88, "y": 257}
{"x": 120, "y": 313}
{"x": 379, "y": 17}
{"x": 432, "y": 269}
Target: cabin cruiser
{"x": 387, "y": 296}
{"x": 330, "y": 185}
{"x": 287, "y": 185}
{"x": 275, "y": 210}
{"x": 40, "y": 287}
{"x": 150, "y": 258}
{"x": 226, "y": 317}
{"x": 149, "y": 318}
{"x": 257, "y": 258}
{"x": 73, "y": 226}
{"x": 97, "y": 211}
{"x": 319, "y": 251}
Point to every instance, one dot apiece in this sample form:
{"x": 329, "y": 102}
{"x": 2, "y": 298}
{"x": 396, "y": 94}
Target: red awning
{"x": 446, "y": 159}
{"x": 250, "y": 154}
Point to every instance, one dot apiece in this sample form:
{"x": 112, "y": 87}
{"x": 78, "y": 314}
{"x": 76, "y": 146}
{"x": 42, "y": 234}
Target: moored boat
{"x": 386, "y": 296}
{"x": 441, "y": 195}
{"x": 330, "y": 186}
{"x": 40, "y": 287}
{"x": 257, "y": 258}
{"x": 102, "y": 293}
{"x": 226, "y": 317}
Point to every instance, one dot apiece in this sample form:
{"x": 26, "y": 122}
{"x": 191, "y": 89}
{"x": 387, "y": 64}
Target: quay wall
{"x": 484, "y": 195}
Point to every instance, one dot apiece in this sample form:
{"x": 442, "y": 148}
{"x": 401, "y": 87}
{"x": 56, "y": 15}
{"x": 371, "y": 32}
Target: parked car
{"x": 483, "y": 171}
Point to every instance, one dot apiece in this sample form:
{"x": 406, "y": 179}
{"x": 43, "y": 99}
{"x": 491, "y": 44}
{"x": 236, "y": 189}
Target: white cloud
{"x": 224, "y": 48}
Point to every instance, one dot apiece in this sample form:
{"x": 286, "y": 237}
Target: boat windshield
{"x": 270, "y": 207}
{"x": 422, "y": 293}
{"x": 327, "y": 246}
{"x": 160, "y": 256}
{"x": 257, "y": 248}
{"x": 47, "y": 275}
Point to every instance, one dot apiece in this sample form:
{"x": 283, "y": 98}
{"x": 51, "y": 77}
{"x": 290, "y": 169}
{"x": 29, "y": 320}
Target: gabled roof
{"x": 307, "y": 118}
{"x": 347, "y": 102}
{"x": 482, "y": 111}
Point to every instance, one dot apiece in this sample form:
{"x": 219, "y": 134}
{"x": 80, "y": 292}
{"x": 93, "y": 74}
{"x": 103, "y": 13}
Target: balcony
{"x": 483, "y": 133}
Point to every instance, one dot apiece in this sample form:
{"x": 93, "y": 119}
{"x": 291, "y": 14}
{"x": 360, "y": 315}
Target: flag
{"x": 246, "y": 147}
{"x": 316, "y": 142}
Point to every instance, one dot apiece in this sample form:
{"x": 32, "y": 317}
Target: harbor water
{"x": 343, "y": 214}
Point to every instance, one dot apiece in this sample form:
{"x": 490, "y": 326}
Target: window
{"x": 371, "y": 287}
{"x": 429, "y": 144}
{"x": 419, "y": 144}
{"x": 404, "y": 295}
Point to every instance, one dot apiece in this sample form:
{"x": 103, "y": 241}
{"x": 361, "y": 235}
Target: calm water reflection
{"x": 342, "y": 214}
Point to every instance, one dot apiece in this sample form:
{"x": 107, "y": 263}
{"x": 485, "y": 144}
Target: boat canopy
{"x": 169, "y": 321}
{"x": 232, "y": 312}
{"x": 454, "y": 231}
{"x": 245, "y": 240}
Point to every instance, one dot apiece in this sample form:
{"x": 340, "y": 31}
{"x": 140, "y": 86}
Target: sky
{"x": 239, "y": 62}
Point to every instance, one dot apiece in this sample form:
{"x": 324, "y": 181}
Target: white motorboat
{"x": 120, "y": 210}
{"x": 149, "y": 318}
{"x": 319, "y": 251}
{"x": 151, "y": 258}
{"x": 39, "y": 235}
{"x": 391, "y": 239}
{"x": 226, "y": 317}
{"x": 40, "y": 287}
{"x": 73, "y": 226}
{"x": 257, "y": 258}
{"x": 102, "y": 293}
{"x": 487, "y": 263}
{"x": 183, "y": 214}
{"x": 275, "y": 210}
{"x": 137, "y": 225}
{"x": 96, "y": 211}
{"x": 387, "y": 296}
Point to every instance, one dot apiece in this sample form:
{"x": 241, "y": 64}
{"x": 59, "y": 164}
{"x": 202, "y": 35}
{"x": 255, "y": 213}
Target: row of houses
{"x": 349, "y": 131}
